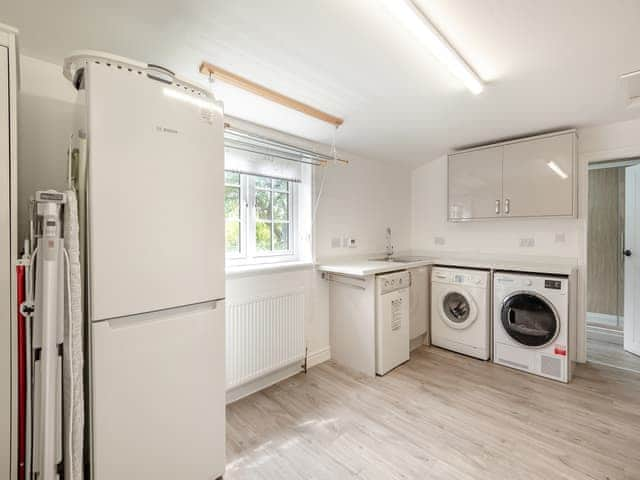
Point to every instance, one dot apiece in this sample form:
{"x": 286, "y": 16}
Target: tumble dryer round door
{"x": 529, "y": 319}
{"x": 458, "y": 309}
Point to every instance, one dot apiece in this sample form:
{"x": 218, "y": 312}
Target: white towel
{"x": 73, "y": 348}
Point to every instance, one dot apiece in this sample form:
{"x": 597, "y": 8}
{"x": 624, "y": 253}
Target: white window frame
{"x": 249, "y": 255}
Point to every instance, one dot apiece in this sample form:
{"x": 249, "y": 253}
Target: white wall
{"x": 429, "y": 220}
{"x": 429, "y": 208}
{"x": 45, "y": 113}
{"x": 359, "y": 200}
{"x": 607, "y": 142}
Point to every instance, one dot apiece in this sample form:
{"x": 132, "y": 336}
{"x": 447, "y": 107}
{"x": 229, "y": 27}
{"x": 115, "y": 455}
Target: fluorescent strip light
{"x": 407, "y": 13}
{"x": 557, "y": 170}
{"x": 185, "y": 97}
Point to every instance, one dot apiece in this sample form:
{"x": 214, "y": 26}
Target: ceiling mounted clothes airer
{"x": 235, "y": 80}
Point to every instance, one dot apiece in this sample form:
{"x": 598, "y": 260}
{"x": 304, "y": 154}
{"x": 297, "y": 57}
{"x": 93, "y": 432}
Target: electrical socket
{"x": 527, "y": 242}
{"x": 439, "y": 240}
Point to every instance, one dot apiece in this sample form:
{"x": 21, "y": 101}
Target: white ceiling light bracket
{"x": 414, "y": 20}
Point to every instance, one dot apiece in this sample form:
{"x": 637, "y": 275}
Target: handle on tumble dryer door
{"x": 511, "y": 315}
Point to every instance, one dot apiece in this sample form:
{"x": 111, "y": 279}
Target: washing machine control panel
{"x": 466, "y": 279}
{"x": 457, "y": 276}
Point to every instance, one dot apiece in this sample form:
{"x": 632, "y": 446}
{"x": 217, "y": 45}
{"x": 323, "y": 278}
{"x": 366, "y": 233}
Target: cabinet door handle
{"x": 507, "y": 205}
{"x": 497, "y": 207}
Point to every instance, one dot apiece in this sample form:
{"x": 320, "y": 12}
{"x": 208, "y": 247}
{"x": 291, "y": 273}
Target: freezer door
{"x": 156, "y": 195}
{"x": 159, "y": 395}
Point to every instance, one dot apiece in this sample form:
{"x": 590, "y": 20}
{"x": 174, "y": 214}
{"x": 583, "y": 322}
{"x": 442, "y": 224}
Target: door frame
{"x": 614, "y": 156}
{"x": 631, "y": 197}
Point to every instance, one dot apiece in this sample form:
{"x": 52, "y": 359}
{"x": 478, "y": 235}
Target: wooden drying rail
{"x": 264, "y": 92}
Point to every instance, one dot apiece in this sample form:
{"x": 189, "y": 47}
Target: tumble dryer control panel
{"x": 534, "y": 282}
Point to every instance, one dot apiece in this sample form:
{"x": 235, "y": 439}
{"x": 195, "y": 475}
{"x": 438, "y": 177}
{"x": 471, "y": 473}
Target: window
{"x": 259, "y": 218}
{"x": 272, "y": 215}
{"x": 232, "y": 212}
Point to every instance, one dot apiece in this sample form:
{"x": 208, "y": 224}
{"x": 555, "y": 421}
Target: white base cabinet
{"x": 533, "y": 177}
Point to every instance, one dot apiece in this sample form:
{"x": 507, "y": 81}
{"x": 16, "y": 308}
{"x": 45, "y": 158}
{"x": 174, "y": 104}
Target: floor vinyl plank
{"x": 439, "y": 416}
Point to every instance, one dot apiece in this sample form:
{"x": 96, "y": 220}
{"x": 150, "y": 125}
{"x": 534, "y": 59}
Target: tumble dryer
{"x": 531, "y": 324}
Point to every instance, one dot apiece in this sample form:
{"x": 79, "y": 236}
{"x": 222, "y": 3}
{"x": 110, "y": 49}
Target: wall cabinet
{"x": 533, "y": 177}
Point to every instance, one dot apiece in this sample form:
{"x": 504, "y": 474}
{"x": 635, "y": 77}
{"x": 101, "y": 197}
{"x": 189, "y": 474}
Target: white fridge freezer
{"x": 155, "y": 259}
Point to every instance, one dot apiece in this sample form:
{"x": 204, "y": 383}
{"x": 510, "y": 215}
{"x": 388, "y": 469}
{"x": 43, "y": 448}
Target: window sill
{"x": 266, "y": 268}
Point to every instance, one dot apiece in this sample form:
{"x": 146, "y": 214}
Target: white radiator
{"x": 263, "y": 334}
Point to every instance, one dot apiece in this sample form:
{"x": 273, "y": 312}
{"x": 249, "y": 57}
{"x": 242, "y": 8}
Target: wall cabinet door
{"x": 475, "y": 186}
{"x": 538, "y": 177}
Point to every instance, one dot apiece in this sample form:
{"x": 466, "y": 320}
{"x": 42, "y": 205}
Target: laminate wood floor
{"x": 440, "y": 416}
{"x": 601, "y": 349}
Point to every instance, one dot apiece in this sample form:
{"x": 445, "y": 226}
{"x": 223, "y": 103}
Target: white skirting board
{"x": 603, "y": 319}
{"x": 247, "y": 389}
{"x": 418, "y": 342}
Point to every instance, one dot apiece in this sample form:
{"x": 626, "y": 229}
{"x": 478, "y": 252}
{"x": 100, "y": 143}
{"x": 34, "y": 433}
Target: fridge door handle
{"x": 159, "y": 315}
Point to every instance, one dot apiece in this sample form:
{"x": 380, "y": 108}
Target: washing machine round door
{"x": 458, "y": 309}
{"x": 530, "y": 319}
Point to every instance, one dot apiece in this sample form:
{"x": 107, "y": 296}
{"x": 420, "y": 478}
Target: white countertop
{"x": 362, "y": 267}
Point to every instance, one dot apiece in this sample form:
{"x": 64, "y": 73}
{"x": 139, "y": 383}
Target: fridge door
{"x": 159, "y": 395}
{"x": 155, "y": 195}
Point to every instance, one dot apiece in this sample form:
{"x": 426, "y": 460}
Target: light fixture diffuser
{"x": 414, "y": 20}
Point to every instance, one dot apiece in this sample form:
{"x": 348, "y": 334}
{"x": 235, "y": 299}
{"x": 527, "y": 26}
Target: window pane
{"x": 232, "y": 202}
{"x": 263, "y": 182}
{"x": 282, "y": 185}
{"x": 232, "y": 178}
{"x": 280, "y": 206}
{"x": 263, "y": 205}
{"x": 232, "y": 237}
{"x": 281, "y": 236}
{"x": 263, "y": 236}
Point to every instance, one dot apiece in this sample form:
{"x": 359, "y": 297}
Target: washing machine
{"x": 531, "y": 324}
{"x": 461, "y": 311}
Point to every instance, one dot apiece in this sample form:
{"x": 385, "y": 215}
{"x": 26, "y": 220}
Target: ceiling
{"x": 547, "y": 64}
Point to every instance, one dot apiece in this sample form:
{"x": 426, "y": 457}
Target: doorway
{"x": 613, "y": 207}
